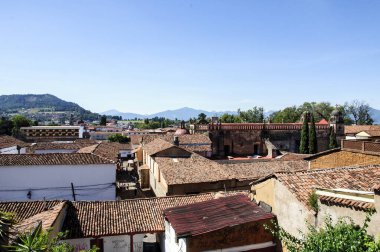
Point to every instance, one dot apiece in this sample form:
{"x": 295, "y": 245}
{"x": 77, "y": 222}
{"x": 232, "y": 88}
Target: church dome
{"x": 179, "y": 132}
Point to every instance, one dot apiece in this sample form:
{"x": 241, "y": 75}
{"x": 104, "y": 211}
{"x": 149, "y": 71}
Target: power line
{"x": 83, "y": 187}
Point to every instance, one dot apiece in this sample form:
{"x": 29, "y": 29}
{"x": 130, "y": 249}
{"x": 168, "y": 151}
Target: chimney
{"x": 176, "y": 141}
{"x": 18, "y": 149}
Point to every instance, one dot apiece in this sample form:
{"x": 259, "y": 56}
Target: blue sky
{"x": 147, "y": 56}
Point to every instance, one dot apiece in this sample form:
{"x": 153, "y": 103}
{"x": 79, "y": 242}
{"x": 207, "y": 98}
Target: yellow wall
{"x": 265, "y": 192}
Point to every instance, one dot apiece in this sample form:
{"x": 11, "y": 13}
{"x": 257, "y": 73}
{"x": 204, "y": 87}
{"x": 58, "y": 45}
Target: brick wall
{"x": 371, "y": 147}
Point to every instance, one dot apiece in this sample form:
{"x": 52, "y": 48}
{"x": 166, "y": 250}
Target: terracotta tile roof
{"x": 293, "y": 156}
{"x": 106, "y": 149}
{"x": 88, "y": 149}
{"x": 373, "y": 133}
{"x": 195, "y": 169}
{"x": 111, "y": 150}
{"x": 196, "y": 148}
{"x": 8, "y": 141}
{"x": 47, "y": 219}
{"x": 259, "y": 169}
{"x": 190, "y": 142}
{"x": 204, "y": 217}
{"x": 156, "y": 145}
{"x": 57, "y": 146}
{"x": 26, "y": 209}
{"x": 52, "y": 127}
{"x": 85, "y": 140}
{"x": 360, "y": 205}
{"x": 354, "y": 129}
{"x": 101, "y": 218}
{"x": 52, "y": 159}
{"x": 323, "y": 121}
{"x": 302, "y": 184}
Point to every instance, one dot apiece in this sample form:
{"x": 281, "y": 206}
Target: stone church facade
{"x": 247, "y": 139}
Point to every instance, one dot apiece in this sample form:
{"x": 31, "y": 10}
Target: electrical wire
{"x": 80, "y": 187}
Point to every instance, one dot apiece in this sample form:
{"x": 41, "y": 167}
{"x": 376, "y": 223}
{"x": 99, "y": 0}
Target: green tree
{"x": 202, "y": 118}
{"x": 342, "y": 236}
{"x": 287, "y": 115}
{"x": 228, "y": 118}
{"x": 18, "y": 122}
{"x": 332, "y": 139}
{"x": 6, "y": 222}
{"x": 41, "y": 241}
{"x": 103, "y": 120}
{"x": 119, "y": 138}
{"x": 313, "y": 145}
{"x": 254, "y": 115}
{"x": 360, "y": 112}
{"x": 304, "y": 144}
{"x": 320, "y": 110}
{"x": 71, "y": 119}
{"x": 6, "y": 126}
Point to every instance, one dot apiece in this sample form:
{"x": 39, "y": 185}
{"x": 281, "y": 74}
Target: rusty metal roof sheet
{"x": 216, "y": 214}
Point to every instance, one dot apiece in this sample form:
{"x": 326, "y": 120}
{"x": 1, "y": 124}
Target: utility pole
{"x": 72, "y": 190}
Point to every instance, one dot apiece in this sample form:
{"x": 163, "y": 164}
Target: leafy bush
{"x": 313, "y": 202}
{"x": 119, "y": 138}
{"x": 342, "y": 236}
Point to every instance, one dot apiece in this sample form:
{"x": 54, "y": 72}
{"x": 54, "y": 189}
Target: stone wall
{"x": 250, "y": 142}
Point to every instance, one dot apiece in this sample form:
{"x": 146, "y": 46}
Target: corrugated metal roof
{"x": 208, "y": 216}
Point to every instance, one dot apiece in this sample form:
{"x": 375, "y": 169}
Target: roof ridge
{"x": 28, "y": 201}
{"x": 101, "y": 157}
{"x": 332, "y": 169}
{"x": 163, "y": 197}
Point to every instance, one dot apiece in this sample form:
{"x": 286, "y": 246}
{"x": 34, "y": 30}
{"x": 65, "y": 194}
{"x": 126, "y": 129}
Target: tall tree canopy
{"x": 229, "y": 118}
{"x": 359, "y": 111}
{"x": 313, "y": 145}
{"x": 254, "y": 115}
{"x": 103, "y": 120}
{"x": 18, "y": 122}
{"x": 304, "y": 144}
{"x": 202, "y": 118}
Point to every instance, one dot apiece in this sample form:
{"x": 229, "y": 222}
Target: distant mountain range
{"x": 181, "y": 114}
{"x": 186, "y": 113}
{"x": 375, "y": 114}
{"x": 49, "y": 107}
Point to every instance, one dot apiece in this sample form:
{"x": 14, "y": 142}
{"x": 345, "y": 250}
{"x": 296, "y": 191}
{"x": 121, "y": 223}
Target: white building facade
{"x": 20, "y": 182}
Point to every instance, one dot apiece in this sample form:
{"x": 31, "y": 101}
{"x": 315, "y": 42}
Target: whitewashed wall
{"x": 118, "y": 243}
{"x": 292, "y": 215}
{"x": 12, "y": 150}
{"x": 171, "y": 243}
{"x": 54, "y": 151}
{"x": 54, "y": 182}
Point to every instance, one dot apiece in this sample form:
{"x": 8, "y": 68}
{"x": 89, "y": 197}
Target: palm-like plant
{"x": 6, "y": 222}
{"x": 34, "y": 241}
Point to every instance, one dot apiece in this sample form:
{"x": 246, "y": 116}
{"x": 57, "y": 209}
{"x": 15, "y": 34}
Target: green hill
{"x": 35, "y": 105}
